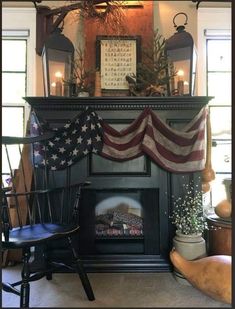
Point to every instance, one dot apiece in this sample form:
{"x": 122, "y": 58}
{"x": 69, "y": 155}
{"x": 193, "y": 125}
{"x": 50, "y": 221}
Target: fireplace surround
{"x": 140, "y": 179}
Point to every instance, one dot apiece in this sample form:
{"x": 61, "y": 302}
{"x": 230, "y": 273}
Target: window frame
{"x": 214, "y": 20}
{"x": 15, "y": 23}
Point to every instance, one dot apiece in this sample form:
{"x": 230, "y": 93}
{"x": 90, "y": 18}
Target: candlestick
{"x": 53, "y": 85}
{"x": 180, "y": 82}
{"x": 58, "y": 84}
{"x": 180, "y": 74}
{"x": 186, "y": 87}
{"x": 58, "y": 88}
{"x": 172, "y": 83}
{"x": 180, "y": 86}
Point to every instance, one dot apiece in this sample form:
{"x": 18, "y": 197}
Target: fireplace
{"x": 115, "y": 246}
{"x": 119, "y": 221}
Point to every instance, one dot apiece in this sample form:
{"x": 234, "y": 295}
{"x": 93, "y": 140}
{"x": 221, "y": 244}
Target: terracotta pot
{"x": 191, "y": 247}
{"x": 212, "y": 275}
{"x": 224, "y": 209}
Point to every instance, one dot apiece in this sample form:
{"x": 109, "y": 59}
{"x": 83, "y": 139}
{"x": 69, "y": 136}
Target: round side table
{"x": 219, "y": 236}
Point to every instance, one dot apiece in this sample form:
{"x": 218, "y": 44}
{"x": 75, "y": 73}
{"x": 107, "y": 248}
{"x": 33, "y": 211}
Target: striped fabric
{"x": 174, "y": 150}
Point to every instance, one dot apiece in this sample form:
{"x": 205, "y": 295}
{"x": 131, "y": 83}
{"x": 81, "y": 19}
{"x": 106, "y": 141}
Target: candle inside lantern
{"x": 172, "y": 85}
{"x": 186, "y": 87}
{"x": 58, "y": 84}
{"x": 53, "y": 87}
{"x": 180, "y": 83}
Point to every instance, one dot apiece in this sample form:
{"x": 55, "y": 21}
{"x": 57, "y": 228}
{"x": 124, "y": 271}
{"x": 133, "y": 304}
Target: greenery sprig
{"x": 81, "y": 77}
{"x": 154, "y": 72}
{"x": 187, "y": 215}
{"x": 156, "y": 68}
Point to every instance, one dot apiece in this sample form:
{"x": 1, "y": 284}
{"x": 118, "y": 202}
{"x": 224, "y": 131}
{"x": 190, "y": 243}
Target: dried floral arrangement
{"x": 188, "y": 215}
{"x": 110, "y": 14}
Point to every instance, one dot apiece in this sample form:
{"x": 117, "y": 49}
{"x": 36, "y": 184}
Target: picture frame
{"x": 116, "y": 57}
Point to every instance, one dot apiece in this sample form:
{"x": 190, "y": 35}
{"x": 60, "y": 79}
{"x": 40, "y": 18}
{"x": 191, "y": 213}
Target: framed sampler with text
{"x": 116, "y": 57}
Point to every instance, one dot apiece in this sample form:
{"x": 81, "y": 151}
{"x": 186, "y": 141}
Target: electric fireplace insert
{"x": 119, "y": 220}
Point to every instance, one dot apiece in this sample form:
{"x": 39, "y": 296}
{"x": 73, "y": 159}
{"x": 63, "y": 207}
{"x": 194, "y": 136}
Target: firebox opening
{"x": 118, "y": 216}
{"x": 120, "y": 221}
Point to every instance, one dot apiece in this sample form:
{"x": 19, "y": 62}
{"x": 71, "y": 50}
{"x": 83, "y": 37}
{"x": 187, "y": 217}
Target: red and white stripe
{"x": 174, "y": 150}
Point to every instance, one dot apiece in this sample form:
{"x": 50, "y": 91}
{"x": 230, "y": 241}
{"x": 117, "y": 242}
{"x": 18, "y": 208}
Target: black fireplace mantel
{"x": 117, "y": 103}
{"x": 104, "y": 174}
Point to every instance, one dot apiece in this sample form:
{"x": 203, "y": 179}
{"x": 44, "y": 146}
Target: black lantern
{"x": 181, "y": 51}
{"x": 57, "y": 57}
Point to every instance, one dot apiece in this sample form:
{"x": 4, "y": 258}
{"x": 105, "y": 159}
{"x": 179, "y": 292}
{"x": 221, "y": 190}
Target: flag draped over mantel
{"x": 174, "y": 150}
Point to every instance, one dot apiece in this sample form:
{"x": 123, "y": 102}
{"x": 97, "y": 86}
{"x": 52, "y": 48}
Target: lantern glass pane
{"x": 181, "y": 60}
{"x": 58, "y": 66}
{"x": 59, "y": 70}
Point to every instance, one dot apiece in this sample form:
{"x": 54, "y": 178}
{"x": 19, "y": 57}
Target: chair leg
{"x": 25, "y": 288}
{"x": 49, "y": 276}
{"x": 82, "y": 274}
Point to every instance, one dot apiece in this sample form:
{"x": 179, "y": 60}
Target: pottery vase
{"x": 191, "y": 247}
{"x": 224, "y": 209}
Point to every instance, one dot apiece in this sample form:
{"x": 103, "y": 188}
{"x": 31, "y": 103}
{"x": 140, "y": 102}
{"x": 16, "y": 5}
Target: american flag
{"x": 70, "y": 143}
{"x": 174, "y": 150}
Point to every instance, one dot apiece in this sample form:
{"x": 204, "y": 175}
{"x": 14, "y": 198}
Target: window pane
{"x": 219, "y": 86}
{"x": 14, "y": 159}
{"x": 12, "y": 121}
{"x": 221, "y": 157}
{"x": 218, "y": 189}
{"x": 221, "y": 122}
{"x": 14, "y": 55}
{"x": 13, "y": 87}
{"x": 219, "y": 52}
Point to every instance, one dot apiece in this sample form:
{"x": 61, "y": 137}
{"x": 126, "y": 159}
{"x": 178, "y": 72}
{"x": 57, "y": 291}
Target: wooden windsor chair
{"x": 35, "y": 211}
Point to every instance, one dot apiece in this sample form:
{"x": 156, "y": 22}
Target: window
{"x": 13, "y": 84}
{"x": 18, "y": 71}
{"x": 214, "y": 44}
{"x": 18, "y": 67}
{"x": 219, "y": 86}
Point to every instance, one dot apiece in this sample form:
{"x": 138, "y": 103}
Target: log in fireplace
{"x": 124, "y": 214}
